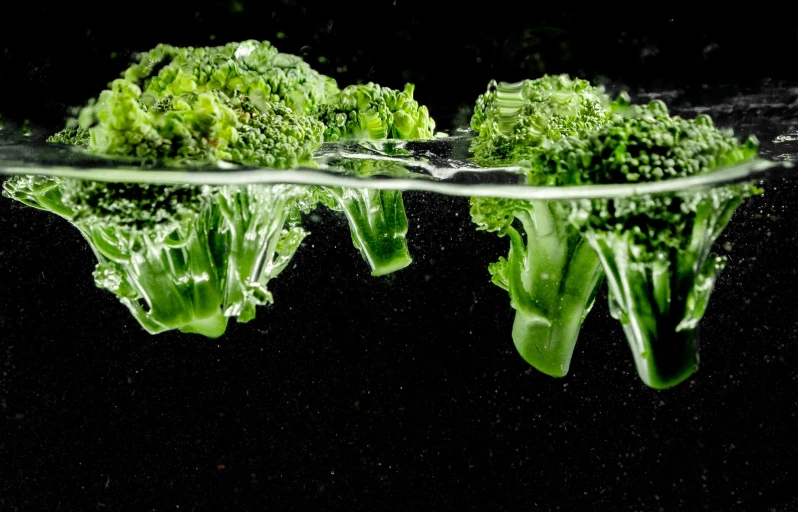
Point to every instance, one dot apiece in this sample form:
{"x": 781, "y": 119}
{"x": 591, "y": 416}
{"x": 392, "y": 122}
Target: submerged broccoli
{"x": 655, "y": 250}
{"x": 512, "y": 121}
{"x": 377, "y": 218}
{"x": 185, "y": 257}
{"x": 551, "y": 273}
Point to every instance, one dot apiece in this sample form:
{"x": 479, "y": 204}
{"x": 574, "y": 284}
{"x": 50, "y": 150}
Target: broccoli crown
{"x": 273, "y": 136}
{"x": 514, "y": 120}
{"x": 198, "y": 128}
{"x": 642, "y": 144}
{"x": 645, "y": 144}
{"x": 373, "y": 112}
{"x": 252, "y": 68}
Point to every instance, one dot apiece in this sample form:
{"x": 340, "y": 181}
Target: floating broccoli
{"x": 551, "y": 273}
{"x": 185, "y": 257}
{"x": 513, "y": 120}
{"x": 655, "y": 250}
{"x": 377, "y": 218}
{"x": 373, "y": 112}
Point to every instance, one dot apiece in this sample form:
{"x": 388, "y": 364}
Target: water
{"x": 398, "y": 379}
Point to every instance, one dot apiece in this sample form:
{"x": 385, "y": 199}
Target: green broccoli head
{"x": 373, "y": 112}
{"x": 513, "y": 121}
{"x": 655, "y": 249}
{"x": 496, "y": 213}
{"x": 273, "y": 136}
{"x": 645, "y": 144}
{"x": 250, "y": 68}
{"x": 197, "y": 128}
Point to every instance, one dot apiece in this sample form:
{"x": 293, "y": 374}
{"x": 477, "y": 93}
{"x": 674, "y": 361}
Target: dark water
{"x": 405, "y": 391}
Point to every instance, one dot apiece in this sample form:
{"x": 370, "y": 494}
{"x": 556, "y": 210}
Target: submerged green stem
{"x": 378, "y": 225}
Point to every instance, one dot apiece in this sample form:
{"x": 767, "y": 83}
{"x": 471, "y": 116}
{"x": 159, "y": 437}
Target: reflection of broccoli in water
{"x": 655, "y": 249}
{"x": 551, "y": 273}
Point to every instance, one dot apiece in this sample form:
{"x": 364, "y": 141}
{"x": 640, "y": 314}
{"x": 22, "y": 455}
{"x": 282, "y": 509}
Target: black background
{"x": 402, "y": 392}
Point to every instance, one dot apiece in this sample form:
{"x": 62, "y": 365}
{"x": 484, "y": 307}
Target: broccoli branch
{"x": 552, "y": 278}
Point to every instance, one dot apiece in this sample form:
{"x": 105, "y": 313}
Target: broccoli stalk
{"x": 169, "y": 284}
{"x": 176, "y": 256}
{"x": 655, "y": 250}
{"x": 660, "y": 298}
{"x": 377, "y": 219}
{"x": 259, "y": 244}
{"x": 378, "y": 225}
{"x": 551, "y": 274}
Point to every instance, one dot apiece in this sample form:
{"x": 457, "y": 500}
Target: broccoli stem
{"x": 170, "y": 287}
{"x": 661, "y": 299}
{"x": 378, "y": 225}
{"x": 650, "y": 302}
{"x": 553, "y": 284}
{"x": 257, "y": 250}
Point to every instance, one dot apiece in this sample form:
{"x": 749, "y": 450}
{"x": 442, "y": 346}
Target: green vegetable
{"x": 198, "y": 128}
{"x": 183, "y": 257}
{"x": 179, "y": 257}
{"x": 514, "y": 120}
{"x": 250, "y": 68}
{"x": 373, "y": 112}
{"x": 551, "y": 273}
{"x": 377, "y": 218}
{"x": 655, "y": 250}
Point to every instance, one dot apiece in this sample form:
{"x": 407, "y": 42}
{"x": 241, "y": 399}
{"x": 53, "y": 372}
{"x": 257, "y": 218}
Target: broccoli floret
{"x": 373, "y": 112}
{"x": 513, "y": 120}
{"x": 179, "y": 257}
{"x": 186, "y": 257}
{"x": 251, "y": 68}
{"x": 551, "y": 274}
{"x": 655, "y": 250}
{"x": 377, "y": 218}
